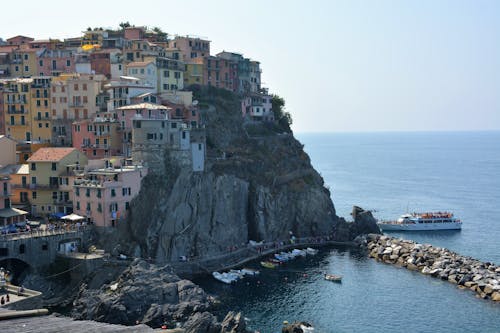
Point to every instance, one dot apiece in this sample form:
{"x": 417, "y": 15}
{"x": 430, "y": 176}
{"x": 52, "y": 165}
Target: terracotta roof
{"x": 50, "y": 154}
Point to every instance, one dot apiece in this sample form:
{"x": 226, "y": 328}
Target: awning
{"x": 72, "y": 217}
{"x": 10, "y": 212}
{"x": 57, "y": 215}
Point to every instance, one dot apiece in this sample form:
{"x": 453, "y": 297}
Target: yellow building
{"x": 50, "y": 170}
{"x": 40, "y": 109}
{"x": 194, "y": 73}
{"x": 19, "y": 182}
{"x": 24, "y": 63}
{"x": 17, "y": 106}
{"x": 27, "y": 109}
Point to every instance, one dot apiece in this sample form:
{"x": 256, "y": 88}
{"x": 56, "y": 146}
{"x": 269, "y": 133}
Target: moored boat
{"x": 267, "y": 264}
{"x": 422, "y": 222}
{"x": 311, "y": 251}
{"x": 333, "y": 277}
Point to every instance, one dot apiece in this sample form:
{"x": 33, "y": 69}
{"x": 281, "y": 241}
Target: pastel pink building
{"x": 104, "y": 195}
{"x": 55, "y": 62}
{"x": 220, "y": 73}
{"x": 97, "y": 138}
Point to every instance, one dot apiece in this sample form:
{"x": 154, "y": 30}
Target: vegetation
{"x": 283, "y": 118}
{"x": 124, "y": 25}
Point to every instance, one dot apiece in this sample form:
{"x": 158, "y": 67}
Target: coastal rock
{"x": 233, "y": 323}
{"x": 295, "y": 327}
{"x": 466, "y": 272}
{"x": 495, "y": 296}
{"x": 145, "y": 293}
{"x": 202, "y": 322}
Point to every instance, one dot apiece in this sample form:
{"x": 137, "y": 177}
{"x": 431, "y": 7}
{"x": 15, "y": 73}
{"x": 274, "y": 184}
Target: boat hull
{"x": 419, "y": 226}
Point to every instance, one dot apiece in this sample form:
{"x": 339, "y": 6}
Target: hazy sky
{"x": 340, "y": 65}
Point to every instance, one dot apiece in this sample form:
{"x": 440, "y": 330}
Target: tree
{"x": 124, "y": 25}
{"x": 282, "y": 117}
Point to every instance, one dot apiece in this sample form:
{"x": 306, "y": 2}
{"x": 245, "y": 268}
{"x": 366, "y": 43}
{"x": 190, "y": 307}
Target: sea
{"x": 390, "y": 173}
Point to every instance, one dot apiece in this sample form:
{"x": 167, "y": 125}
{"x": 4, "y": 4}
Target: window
{"x": 77, "y": 191}
{"x": 87, "y": 192}
{"x": 68, "y": 63}
{"x": 33, "y": 195}
{"x": 88, "y": 207}
{"x": 33, "y": 180}
{"x": 173, "y": 125}
{"x": 99, "y": 207}
{"x": 127, "y": 205}
{"x": 54, "y": 166}
{"x": 150, "y": 136}
{"x": 166, "y": 73}
{"x": 98, "y": 192}
{"x": 165, "y": 86}
{"x": 78, "y": 205}
{"x": 113, "y": 192}
{"x": 39, "y": 125}
{"x": 26, "y": 68}
{"x": 124, "y": 191}
{"x": 177, "y": 75}
{"x": 22, "y": 248}
{"x": 54, "y": 195}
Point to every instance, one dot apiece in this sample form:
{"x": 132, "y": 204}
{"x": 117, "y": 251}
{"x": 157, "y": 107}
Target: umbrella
{"x": 72, "y": 217}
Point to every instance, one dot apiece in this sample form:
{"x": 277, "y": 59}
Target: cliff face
{"x": 258, "y": 184}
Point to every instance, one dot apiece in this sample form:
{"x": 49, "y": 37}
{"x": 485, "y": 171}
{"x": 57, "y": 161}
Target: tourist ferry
{"x": 422, "y": 222}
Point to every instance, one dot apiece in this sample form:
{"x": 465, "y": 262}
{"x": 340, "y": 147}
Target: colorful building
{"x": 103, "y": 195}
{"x": 146, "y": 71}
{"x": 24, "y": 62}
{"x": 74, "y": 97}
{"x": 41, "y": 124}
{"x": 125, "y": 114}
{"x": 190, "y": 47}
{"x": 170, "y": 74}
{"x": 17, "y": 106}
{"x": 55, "y": 62}
{"x": 97, "y": 138}
{"x": 50, "y": 171}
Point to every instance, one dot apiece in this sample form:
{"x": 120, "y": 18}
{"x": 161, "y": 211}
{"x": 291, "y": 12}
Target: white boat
{"x": 311, "y": 251}
{"x": 249, "y": 271}
{"x": 422, "y": 222}
{"x": 299, "y": 253}
{"x": 227, "y": 278}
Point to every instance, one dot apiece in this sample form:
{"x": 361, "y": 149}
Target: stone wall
{"x": 466, "y": 272}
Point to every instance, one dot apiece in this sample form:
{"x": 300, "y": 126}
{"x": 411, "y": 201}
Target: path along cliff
{"x": 258, "y": 184}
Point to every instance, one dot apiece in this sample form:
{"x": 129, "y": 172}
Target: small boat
{"x": 281, "y": 257}
{"x": 311, "y": 251}
{"x": 275, "y": 261}
{"x": 267, "y": 264}
{"x": 299, "y": 253}
{"x": 249, "y": 271}
{"x": 227, "y": 278}
{"x": 333, "y": 277}
{"x": 422, "y": 222}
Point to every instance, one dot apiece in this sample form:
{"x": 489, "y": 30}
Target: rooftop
{"x": 50, "y": 154}
{"x": 142, "y": 106}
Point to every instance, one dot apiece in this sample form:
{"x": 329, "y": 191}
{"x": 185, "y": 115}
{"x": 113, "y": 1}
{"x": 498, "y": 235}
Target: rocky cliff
{"x": 258, "y": 184}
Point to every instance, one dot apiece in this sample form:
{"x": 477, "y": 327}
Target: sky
{"x": 340, "y": 65}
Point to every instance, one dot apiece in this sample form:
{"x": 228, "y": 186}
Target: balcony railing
{"x": 26, "y": 186}
{"x": 43, "y": 186}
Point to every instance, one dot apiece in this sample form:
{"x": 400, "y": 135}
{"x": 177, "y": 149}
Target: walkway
{"x": 41, "y": 233}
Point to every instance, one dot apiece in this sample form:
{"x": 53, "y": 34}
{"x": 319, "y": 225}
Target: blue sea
{"x": 389, "y": 173}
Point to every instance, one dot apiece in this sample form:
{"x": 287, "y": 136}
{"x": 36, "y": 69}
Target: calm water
{"x": 390, "y": 173}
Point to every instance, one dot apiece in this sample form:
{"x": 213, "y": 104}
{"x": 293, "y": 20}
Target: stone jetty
{"x": 441, "y": 263}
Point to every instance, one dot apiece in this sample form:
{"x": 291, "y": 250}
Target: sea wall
{"x": 466, "y": 272}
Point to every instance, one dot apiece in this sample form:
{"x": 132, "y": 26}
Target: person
{"x": 2, "y": 301}
{"x": 7, "y": 298}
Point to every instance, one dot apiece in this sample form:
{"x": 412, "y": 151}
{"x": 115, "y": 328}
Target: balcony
{"x": 16, "y": 112}
{"x": 26, "y": 186}
{"x": 43, "y": 186}
{"x": 76, "y": 105}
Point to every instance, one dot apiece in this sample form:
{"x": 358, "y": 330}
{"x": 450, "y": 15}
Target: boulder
{"x": 233, "y": 323}
{"x": 144, "y": 292}
{"x": 203, "y": 322}
{"x": 295, "y": 327}
{"x": 495, "y": 296}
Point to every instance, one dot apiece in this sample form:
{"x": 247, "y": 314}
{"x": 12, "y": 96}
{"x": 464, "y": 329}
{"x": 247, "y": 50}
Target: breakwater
{"x": 466, "y": 272}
